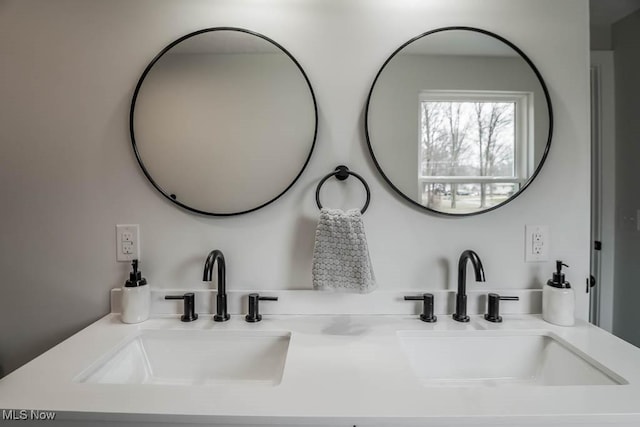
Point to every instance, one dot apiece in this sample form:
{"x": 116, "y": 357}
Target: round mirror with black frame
{"x": 223, "y": 121}
{"x": 458, "y": 121}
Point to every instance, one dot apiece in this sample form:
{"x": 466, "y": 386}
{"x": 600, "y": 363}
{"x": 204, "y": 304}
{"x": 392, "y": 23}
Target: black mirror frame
{"x": 172, "y": 197}
{"x": 544, "y": 89}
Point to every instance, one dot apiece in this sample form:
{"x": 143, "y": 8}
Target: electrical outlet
{"x": 127, "y": 242}
{"x": 536, "y": 243}
{"x": 127, "y": 247}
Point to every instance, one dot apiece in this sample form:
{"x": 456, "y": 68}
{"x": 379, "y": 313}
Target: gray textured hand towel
{"x": 341, "y": 256}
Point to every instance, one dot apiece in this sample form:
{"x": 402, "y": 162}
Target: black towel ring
{"x": 341, "y": 173}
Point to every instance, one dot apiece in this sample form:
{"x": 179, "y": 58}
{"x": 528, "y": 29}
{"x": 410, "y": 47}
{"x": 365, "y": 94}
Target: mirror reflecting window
{"x": 458, "y": 121}
{"x": 223, "y": 121}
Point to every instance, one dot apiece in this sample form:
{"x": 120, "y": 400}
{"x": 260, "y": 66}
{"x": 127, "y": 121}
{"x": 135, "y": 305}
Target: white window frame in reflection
{"x": 523, "y": 155}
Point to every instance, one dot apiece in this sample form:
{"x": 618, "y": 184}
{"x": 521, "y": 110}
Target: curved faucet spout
{"x": 215, "y": 255}
{"x": 461, "y": 298}
{"x": 478, "y": 269}
{"x": 221, "y": 299}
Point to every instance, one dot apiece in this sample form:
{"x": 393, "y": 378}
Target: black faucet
{"x": 221, "y": 299}
{"x": 461, "y": 297}
{"x": 189, "y": 306}
{"x": 427, "y": 307}
{"x": 254, "y": 307}
{"x": 493, "y": 307}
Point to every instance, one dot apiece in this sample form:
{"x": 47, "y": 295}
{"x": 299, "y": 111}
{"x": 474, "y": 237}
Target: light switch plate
{"x": 127, "y": 242}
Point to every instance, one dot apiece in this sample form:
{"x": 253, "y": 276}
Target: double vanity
{"x": 340, "y": 370}
{"x": 321, "y": 358}
{"x": 324, "y": 359}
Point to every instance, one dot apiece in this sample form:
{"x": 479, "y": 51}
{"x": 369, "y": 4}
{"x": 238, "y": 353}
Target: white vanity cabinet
{"x": 342, "y": 370}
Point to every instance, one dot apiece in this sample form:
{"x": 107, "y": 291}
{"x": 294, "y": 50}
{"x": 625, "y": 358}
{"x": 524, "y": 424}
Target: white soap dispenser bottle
{"x": 558, "y": 299}
{"x": 136, "y": 297}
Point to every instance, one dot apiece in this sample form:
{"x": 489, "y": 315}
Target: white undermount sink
{"x": 500, "y": 358}
{"x": 193, "y": 357}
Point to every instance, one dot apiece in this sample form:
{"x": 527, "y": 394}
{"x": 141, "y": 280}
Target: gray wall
{"x": 626, "y": 40}
{"x": 600, "y": 37}
{"x": 69, "y": 175}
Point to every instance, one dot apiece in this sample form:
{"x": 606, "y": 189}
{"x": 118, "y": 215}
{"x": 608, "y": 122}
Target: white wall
{"x": 626, "y": 42}
{"x": 69, "y": 175}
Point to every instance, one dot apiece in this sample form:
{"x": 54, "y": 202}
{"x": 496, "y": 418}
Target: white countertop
{"x": 340, "y": 370}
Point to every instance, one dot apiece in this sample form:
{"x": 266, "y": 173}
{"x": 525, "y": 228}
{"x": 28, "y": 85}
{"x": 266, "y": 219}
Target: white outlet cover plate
{"x": 541, "y": 253}
{"x": 132, "y": 230}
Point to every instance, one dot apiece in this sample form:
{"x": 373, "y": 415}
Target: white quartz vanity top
{"x": 340, "y": 370}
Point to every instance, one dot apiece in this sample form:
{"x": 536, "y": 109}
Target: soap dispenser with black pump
{"x": 136, "y": 297}
{"x": 558, "y": 299}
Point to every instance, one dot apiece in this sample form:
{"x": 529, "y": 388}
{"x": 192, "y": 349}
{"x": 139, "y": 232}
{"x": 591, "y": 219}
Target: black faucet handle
{"x": 493, "y": 307}
{"x": 254, "y": 307}
{"x": 427, "y": 306}
{"x": 189, "y": 306}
